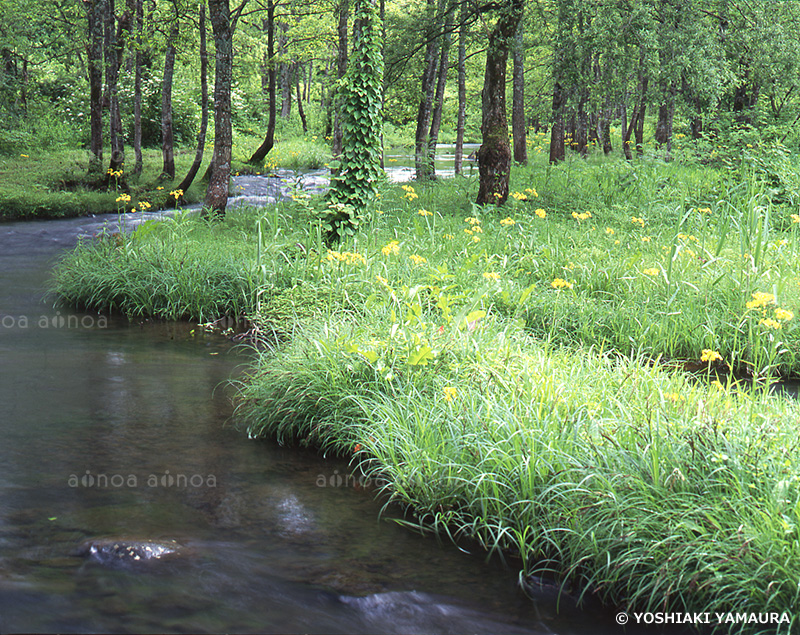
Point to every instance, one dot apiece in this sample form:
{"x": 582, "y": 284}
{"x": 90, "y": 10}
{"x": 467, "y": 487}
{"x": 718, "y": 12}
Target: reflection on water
{"x": 116, "y": 431}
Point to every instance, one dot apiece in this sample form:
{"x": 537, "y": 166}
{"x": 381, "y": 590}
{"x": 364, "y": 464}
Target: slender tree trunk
{"x": 341, "y": 69}
{"x": 557, "y": 152}
{"x": 137, "y": 89}
{"x": 518, "y": 127}
{"x": 115, "y": 117}
{"x": 462, "y": 89}
{"x": 494, "y": 155}
{"x": 427, "y": 87}
{"x": 217, "y": 194}
{"x": 626, "y": 130}
{"x": 300, "y": 110}
{"x": 201, "y": 135}
{"x": 436, "y": 117}
{"x": 604, "y": 131}
{"x": 95, "y": 11}
{"x": 269, "y": 140}
{"x": 285, "y": 74}
{"x": 580, "y": 138}
{"x": 167, "y": 134}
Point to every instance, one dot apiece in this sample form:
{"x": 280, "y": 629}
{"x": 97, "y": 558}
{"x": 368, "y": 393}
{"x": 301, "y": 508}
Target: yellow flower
{"x": 704, "y": 210}
{"x": 760, "y": 300}
{"x": 795, "y": 218}
{"x": 411, "y": 196}
{"x": 417, "y": 260}
{"x": 646, "y": 239}
{"x": 468, "y": 231}
{"x": 448, "y": 236}
{"x": 25, "y": 156}
{"x": 582, "y": 216}
{"x": 507, "y": 222}
{"x": 652, "y": 271}
{"x": 382, "y": 280}
{"x": 176, "y": 193}
{"x": 450, "y": 393}
{"x": 532, "y": 191}
{"x": 472, "y": 220}
{"x": 540, "y": 213}
{"x": 476, "y": 239}
{"x": 160, "y": 187}
{"x": 124, "y": 198}
{"x": 497, "y": 195}
{"x": 609, "y": 231}
{"x": 406, "y": 188}
{"x": 770, "y": 323}
{"x": 347, "y": 257}
{"x": 424, "y": 212}
{"x": 559, "y": 283}
{"x": 637, "y": 221}
{"x": 143, "y": 205}
{"x": 491, "y": 275}
{"x": 477, "y": 229}
{"x": 519, "y": 196}
{"x": 707, "y": 355}
{"x": 783, "y": 315}
{"x": 392, "y": 247}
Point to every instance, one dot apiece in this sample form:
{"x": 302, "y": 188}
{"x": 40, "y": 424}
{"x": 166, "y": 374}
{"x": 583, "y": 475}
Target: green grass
{"x": 516, "y": 375}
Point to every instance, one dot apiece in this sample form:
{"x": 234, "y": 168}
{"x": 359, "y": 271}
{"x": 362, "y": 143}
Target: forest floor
{"x": 580, "y": 377}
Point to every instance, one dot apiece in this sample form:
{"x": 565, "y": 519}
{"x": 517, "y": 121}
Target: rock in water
{"x": 126, "y": 551}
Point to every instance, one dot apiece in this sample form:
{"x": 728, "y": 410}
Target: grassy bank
{"x": 517, "y": 375}
{"x": 53, "y": 183}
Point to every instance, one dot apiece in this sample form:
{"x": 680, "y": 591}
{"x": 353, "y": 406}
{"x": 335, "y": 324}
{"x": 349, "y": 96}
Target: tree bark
{"x": 422, "y": 167}
{"x": 518, "y": 127}
{"x": 494, "y": 155}
{"x": 95, "y": 10}
{"x": 557, "y": 152}
{"x": 201, "y": 135}
{"x": 300, "y": 110}
{"x": 137, "y": 88}
{"x": 269, "y": 139}
{"x": 167, "y": 134}
{"x": 285, "y": 74}
{"x": 341, "y": 69}
{"x": 438, "y": 102}
{"x": 115, "y": 117}
{"x": 462, "y": 89}
{"x": 217, "y": 194}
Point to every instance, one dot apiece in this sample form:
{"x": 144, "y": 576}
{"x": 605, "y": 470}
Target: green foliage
{"x": 359, "y": 165}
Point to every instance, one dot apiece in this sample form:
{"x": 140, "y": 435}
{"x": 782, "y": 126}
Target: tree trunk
{"x": 300, "y": 110}
{"x": 427, "y": 86}
{"x": 518, "y": 127}
{"x": 95, "y": 10}
{"x": 137, "y": 89}
{"x": 462, "y": 89}
{"x": 436, "y": 117}
{"x": 115, "y": 117}
{"x": 581, "y": 138}
{"x": 269, "y": 139}
{"x": 285, "y": 74}
{"x": 217, "y": 193}
{"x": 557, "y": 152}
{"x": 341, "y": 68}
{"x": 626, "y": 130}
{"x": 167, "y": 134}
{"x": 201, "y": 135}
{"x": 494, "y": 155}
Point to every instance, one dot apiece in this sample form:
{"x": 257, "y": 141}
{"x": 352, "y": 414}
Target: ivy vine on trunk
{"x": 361, "y": 98}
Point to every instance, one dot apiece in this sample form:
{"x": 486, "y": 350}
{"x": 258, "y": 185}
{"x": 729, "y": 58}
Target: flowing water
{"x": 116, "y": 432}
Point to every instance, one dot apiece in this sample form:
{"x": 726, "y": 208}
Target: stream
{"x": 115, "y": 432}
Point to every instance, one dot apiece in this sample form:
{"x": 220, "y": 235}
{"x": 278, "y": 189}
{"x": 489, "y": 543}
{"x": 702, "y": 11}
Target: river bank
{"x": 460, "y": 357}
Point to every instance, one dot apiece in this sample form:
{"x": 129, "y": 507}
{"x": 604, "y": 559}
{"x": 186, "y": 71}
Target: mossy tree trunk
{"x": 494, "y": 155}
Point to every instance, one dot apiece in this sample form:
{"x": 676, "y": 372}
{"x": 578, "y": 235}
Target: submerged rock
{"x": 128, "y": 551}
